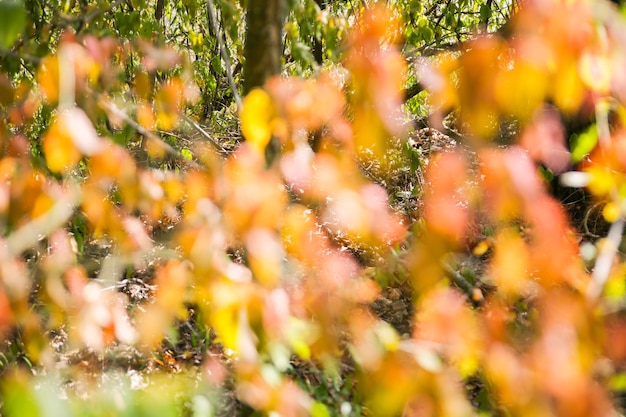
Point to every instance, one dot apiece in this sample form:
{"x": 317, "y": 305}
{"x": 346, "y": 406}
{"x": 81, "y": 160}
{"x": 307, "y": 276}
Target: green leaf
{"x": 618, "y": 382}
{"x": 414, "y": 156}
{"x": 18, "y": 400}
{"x": 583, "y": 143}
{"x": 427, "y": 34}
{"x": 417, "y": 7}
{"x": 319, "y": 410}
{"x": 422, "y": 22}
{"x": 186, "y": 153}
{"x": 302, "y": 52}
{"x": 546, "y": 173}
{"x": 485, "y": 12}
{"x": 12, "y": 21}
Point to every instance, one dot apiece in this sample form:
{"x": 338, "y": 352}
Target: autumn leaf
{"x": 71, "y": 136}
{"x": 59, "y": 149}
{"x": 48, "y": 78}
{"x": 256, "y": 118}
{"x": 447, "y": 196}
{"x": 509, "y": 268}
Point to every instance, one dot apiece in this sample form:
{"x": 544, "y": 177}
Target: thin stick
{"x": 204, "y": 133}
{"x": 223, "y": 53}
{"x": 472, "y": 292}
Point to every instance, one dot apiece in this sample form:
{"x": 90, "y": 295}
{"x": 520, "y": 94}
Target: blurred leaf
{"x": 302, "y": 52}
{"x": 186, "y": 153}
{"x": 12, "y": 21}
{"x": 319, "y": 410}
{"x": 18, "y": 400}
{"x": 202, "y": 407}
{"x": 485, "y": 12}
{"x": 618, "y": 382}
{"x": 49, "y": 397}
{"x": 256, "y": 117}
{"x": 611, "y": 212}
{"x": 583, "y": 143}
{"x": 59, "y": 148}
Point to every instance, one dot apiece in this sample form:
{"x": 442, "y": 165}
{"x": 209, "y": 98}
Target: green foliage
{"x": 13, "y": 21}
{"x": 583, "y": 143}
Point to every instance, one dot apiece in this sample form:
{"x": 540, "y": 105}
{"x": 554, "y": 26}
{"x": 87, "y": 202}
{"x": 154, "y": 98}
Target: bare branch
{"x": 223, "y": 52}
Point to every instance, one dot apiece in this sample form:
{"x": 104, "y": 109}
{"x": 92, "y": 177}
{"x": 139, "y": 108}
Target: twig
{"x": 472, "y": 292}
{"x": 586, "y": 222}
{"x": 223, "y": 52}
{"x": 204, "y": 133}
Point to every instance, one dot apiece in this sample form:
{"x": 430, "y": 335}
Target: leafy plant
{"x": 168, "y": 247}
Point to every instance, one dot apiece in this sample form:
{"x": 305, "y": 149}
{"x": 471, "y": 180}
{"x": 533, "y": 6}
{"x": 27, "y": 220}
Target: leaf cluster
{"x": 167, "y": 250}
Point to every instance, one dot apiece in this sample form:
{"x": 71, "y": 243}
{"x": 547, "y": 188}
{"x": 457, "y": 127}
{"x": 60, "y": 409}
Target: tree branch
{"x": 223, "y": 52}
{"x": 413, "y": 90}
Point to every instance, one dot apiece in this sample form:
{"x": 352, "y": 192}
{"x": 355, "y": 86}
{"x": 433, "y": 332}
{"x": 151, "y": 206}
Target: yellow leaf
{"x": 482, "y": 247}
{"x": 611, "y": 212}
{"x": 531, "y": 86}
{"x": 256, "y": 119}
{"x": 143, "y": 85}
{"x": 167, "y": 121}
{"x": 155, "y": 148}
{"x": 59, "y": 149}
{"x": 601, "y": 181}
{"x": 567, "y": 88}
{"x": 80, "y": 130}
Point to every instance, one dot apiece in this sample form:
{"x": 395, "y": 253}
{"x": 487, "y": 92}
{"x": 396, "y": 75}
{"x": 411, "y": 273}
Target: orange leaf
{"x": 48, "y": 78}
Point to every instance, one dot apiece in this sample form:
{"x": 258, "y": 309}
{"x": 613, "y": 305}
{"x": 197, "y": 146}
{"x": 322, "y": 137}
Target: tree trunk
{"x": 264, "y": 46}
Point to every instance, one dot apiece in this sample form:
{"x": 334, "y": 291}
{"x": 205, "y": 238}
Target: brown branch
{"x": 413, "y": 90}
